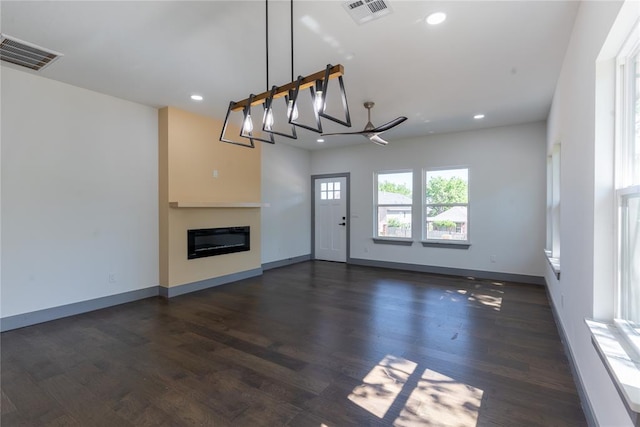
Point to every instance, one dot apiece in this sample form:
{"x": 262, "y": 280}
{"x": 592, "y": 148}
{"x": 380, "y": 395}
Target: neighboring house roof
{"x": 386, "y": 198}
{"x": 455, "y": 214}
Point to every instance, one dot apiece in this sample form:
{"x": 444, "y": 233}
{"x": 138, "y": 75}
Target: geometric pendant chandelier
{"x": 318, "y": 87}
{"x": 250, "y": 122}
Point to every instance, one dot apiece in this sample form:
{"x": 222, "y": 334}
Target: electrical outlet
{"x": 112, "y": 278}
{"x": 493, "y": 258}
{"x": 215, "y": 173}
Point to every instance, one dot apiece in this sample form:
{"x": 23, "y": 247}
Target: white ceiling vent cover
{"x": 367, "y": 10}
{"x": 25, "y": 54}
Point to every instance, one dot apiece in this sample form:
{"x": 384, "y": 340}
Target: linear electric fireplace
{"x": 206, "y": 242}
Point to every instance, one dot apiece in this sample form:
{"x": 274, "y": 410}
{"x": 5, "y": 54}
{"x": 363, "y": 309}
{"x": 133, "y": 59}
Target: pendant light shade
{"x": 276, "y": 115}
{"x": 230, "y": 123}
{"x": 252, "y": 131}
{"x": 308, "y": 117}
{"x": 343, "y": 98}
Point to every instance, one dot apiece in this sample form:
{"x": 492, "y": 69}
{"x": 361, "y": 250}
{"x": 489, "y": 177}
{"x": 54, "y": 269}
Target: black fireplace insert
{"x": 206, "y": 242}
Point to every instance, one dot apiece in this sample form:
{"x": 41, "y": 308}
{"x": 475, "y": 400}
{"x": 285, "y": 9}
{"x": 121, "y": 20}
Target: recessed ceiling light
{"x": 436, "y": 18}
{"x": 478, "y": 116}
{"x": 197, "y": 97}
{"x": 320, "y": 140}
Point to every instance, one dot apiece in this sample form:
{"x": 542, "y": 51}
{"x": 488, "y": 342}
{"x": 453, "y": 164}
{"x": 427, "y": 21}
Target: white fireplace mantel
{"x": 195, "y": 204}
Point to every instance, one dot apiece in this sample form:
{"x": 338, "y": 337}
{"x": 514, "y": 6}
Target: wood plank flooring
{"x": 312, "y": 344}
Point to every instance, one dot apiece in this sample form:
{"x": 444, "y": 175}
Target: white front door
{"x": 331, "y": 219}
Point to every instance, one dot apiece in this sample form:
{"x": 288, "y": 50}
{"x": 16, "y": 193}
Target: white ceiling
{"x": 500, "y": 58}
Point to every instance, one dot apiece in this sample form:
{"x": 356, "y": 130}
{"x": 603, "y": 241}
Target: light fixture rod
{"x": 291, "y": 18}
{"x": 310, "y": 80}
{"x": 266, "y": 39}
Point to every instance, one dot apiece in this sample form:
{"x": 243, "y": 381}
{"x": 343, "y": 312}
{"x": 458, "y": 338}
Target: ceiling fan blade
{"x": 377, "y": 140}
{"x": 371, "y": 132}
{"x": 385, "y": 127}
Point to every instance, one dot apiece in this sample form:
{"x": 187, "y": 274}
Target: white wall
{"x": 286, "y": 223}
{"x": 79, "y": 194}
{"x": 586, "y": 215}
{"x": 507, "y": 172}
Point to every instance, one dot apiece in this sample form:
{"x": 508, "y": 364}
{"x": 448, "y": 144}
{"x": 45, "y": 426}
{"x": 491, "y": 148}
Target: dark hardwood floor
{"x": 312, "y": 344}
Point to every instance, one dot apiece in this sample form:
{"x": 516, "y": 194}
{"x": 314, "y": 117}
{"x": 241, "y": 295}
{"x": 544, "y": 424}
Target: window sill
{"x": 554, "y": 263}
{"x": 441, "y": 244}
{"x": 620, "y": 360}
{"x": 392, "y": 241}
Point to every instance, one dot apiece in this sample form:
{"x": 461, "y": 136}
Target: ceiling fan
{"x": 370, "y": 131}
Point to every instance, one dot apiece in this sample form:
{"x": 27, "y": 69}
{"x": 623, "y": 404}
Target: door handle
{"x": 342, "y": 223}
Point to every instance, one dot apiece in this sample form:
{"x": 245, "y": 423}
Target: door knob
{"x": 343, "y": 223}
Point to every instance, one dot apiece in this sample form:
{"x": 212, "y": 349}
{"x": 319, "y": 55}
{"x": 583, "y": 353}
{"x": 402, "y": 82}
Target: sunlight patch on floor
{"x": 382, "y": 385}
{"x": 487, "y": 300}
{"x": 439, "y": 400}
{"x": 436, "y": 399}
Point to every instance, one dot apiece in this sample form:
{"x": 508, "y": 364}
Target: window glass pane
{"x": 446, "y": 222}
{"x": 630, "y": 261}
{"x": 330, "y": 186}
{"x": 323, "y": 195}
{"x": 444, "y": 189}
{"x": 394, "y": 221}
{"x": 336, "y": 185}
{"x": 447, "y": 186}
{"x": 336, "y": 195}
{"x": 395, "y": 188}
{"x": 323, "y": 186}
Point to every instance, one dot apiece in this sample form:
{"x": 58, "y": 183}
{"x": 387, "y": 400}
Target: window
{"x": 553, "y": 209}
{"x": 394, "y": 201}
{"x": 330, "y": 190}
{"x": 447, "y": 204}
{"x": 617, "y": 286}
{"x": 627, "y": 304}
{"x": 554, "y": 202}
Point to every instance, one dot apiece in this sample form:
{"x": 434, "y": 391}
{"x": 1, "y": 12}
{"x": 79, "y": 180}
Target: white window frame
{"x": 611, "y": 338}
{"x": 556, "y": 156}
{"x": 625, "y": 187}
{"x": 628, "y": 329}
{"x": 425, "y": 206}
{"x": 552, "y": 250}
{"x": 377, "y": 206}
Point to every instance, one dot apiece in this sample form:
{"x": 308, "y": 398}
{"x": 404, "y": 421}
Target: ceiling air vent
{"x": 25, "y": 54}
{"x": 367, "y": 10}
